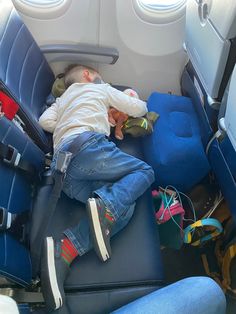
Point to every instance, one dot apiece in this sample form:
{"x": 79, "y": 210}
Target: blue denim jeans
{"x": 194, "y": 295}
{"x": 100, "y": 169}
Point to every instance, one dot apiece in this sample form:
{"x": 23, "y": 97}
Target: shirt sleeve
{"x": 48, "y": 119}
{"x": 130, "y": 105}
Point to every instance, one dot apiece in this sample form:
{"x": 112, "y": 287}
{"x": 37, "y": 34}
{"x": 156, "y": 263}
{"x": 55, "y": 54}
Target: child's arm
{"x": 132, "y": 106}
{"x": 48, "y": 119}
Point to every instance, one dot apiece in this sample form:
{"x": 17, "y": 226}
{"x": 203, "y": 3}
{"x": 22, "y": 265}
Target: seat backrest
{"x": 24, "y": 72}
{"x": 209, "y": 42}
{"x": 222, "y": 148}
{"x": 16, "y": 197}
{"x": 230, "y": 114}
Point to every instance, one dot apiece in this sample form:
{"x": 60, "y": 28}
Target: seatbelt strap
{"x": 62, "y": 162}
{"x": 56, "y": 181}
{"x": 11, "y": 156}
{"x": 79, "y": 141}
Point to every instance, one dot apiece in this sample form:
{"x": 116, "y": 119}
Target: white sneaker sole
{"x": 97, "y": 229}
{"x": 52, "y": 273}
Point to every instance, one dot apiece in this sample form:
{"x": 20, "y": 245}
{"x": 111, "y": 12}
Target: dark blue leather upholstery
{"x": 135, "y": 268}
{"x": 133, "y": 271}
{"x": 107, "y": 300}
{"x": 15, "y": 193}
{"x": 136, "y": 247}
{"x": 24, "y": 72}
{"x": 16, "y": 197}
{"x": 136, "y": 256}
{"x": 24, "y": 308}
{"x": 15, "y": 263}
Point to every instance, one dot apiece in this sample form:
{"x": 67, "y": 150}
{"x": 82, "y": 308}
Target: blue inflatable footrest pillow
{"x": 175, "y": 149}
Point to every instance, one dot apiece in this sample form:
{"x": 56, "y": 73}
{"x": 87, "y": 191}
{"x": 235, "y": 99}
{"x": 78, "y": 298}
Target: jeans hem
{"x": 69, "y": 234}
{"x": 108, "y": 204}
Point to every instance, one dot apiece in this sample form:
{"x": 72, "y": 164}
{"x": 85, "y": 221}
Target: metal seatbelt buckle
{"x": 13, "y": 156}
{"x": 63, "y": 160}
{"x": 5, "y": 219}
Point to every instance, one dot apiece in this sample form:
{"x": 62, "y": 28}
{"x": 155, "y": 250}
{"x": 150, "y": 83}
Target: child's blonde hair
{"x": 73, "y": 73}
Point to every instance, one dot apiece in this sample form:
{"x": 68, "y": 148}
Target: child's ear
{"x": 86, "y": 75}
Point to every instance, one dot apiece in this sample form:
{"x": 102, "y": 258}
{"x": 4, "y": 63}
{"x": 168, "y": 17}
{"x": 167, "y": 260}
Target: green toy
{"x": 58, "y": 86}
{"x": 140, "y": 126}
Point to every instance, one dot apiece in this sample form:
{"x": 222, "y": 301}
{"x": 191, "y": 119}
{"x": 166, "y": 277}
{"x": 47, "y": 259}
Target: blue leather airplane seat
{"x": 24, "y": 72}
{"x": 221, "y": 153}
{"x": 174, "y": 149}
{"x": 136, "y": 266}
{"x": 128, "y": 274}
{"x": 206, "y": 81}
{"x": 15, "y": 198}
{"x": 222, "y": 148}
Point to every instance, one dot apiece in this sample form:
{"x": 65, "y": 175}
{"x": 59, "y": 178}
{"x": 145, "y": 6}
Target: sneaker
{"x": 53, "y": 274}
{"x": 100, "y": 221}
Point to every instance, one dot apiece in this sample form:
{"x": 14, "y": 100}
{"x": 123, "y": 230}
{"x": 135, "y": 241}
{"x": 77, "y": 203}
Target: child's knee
{"x": 152, "y": 175}
{"x": 149, "y": 172}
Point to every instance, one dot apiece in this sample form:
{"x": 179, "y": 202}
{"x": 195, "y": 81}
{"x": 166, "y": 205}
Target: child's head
{"x": 80, "y": 74}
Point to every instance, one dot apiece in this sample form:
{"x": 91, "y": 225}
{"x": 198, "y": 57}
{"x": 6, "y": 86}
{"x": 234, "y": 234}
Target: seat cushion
{"x": 136, "y": 256}
{"x": 24, "y": 72}
{"x": 105, "y": 301}
{"x": 175, "y": 149}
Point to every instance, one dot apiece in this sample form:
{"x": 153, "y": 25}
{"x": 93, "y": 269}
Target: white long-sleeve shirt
{"x": 84, "y": 107}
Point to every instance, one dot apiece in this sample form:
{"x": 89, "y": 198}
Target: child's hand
{"x": 132, "y": 93}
